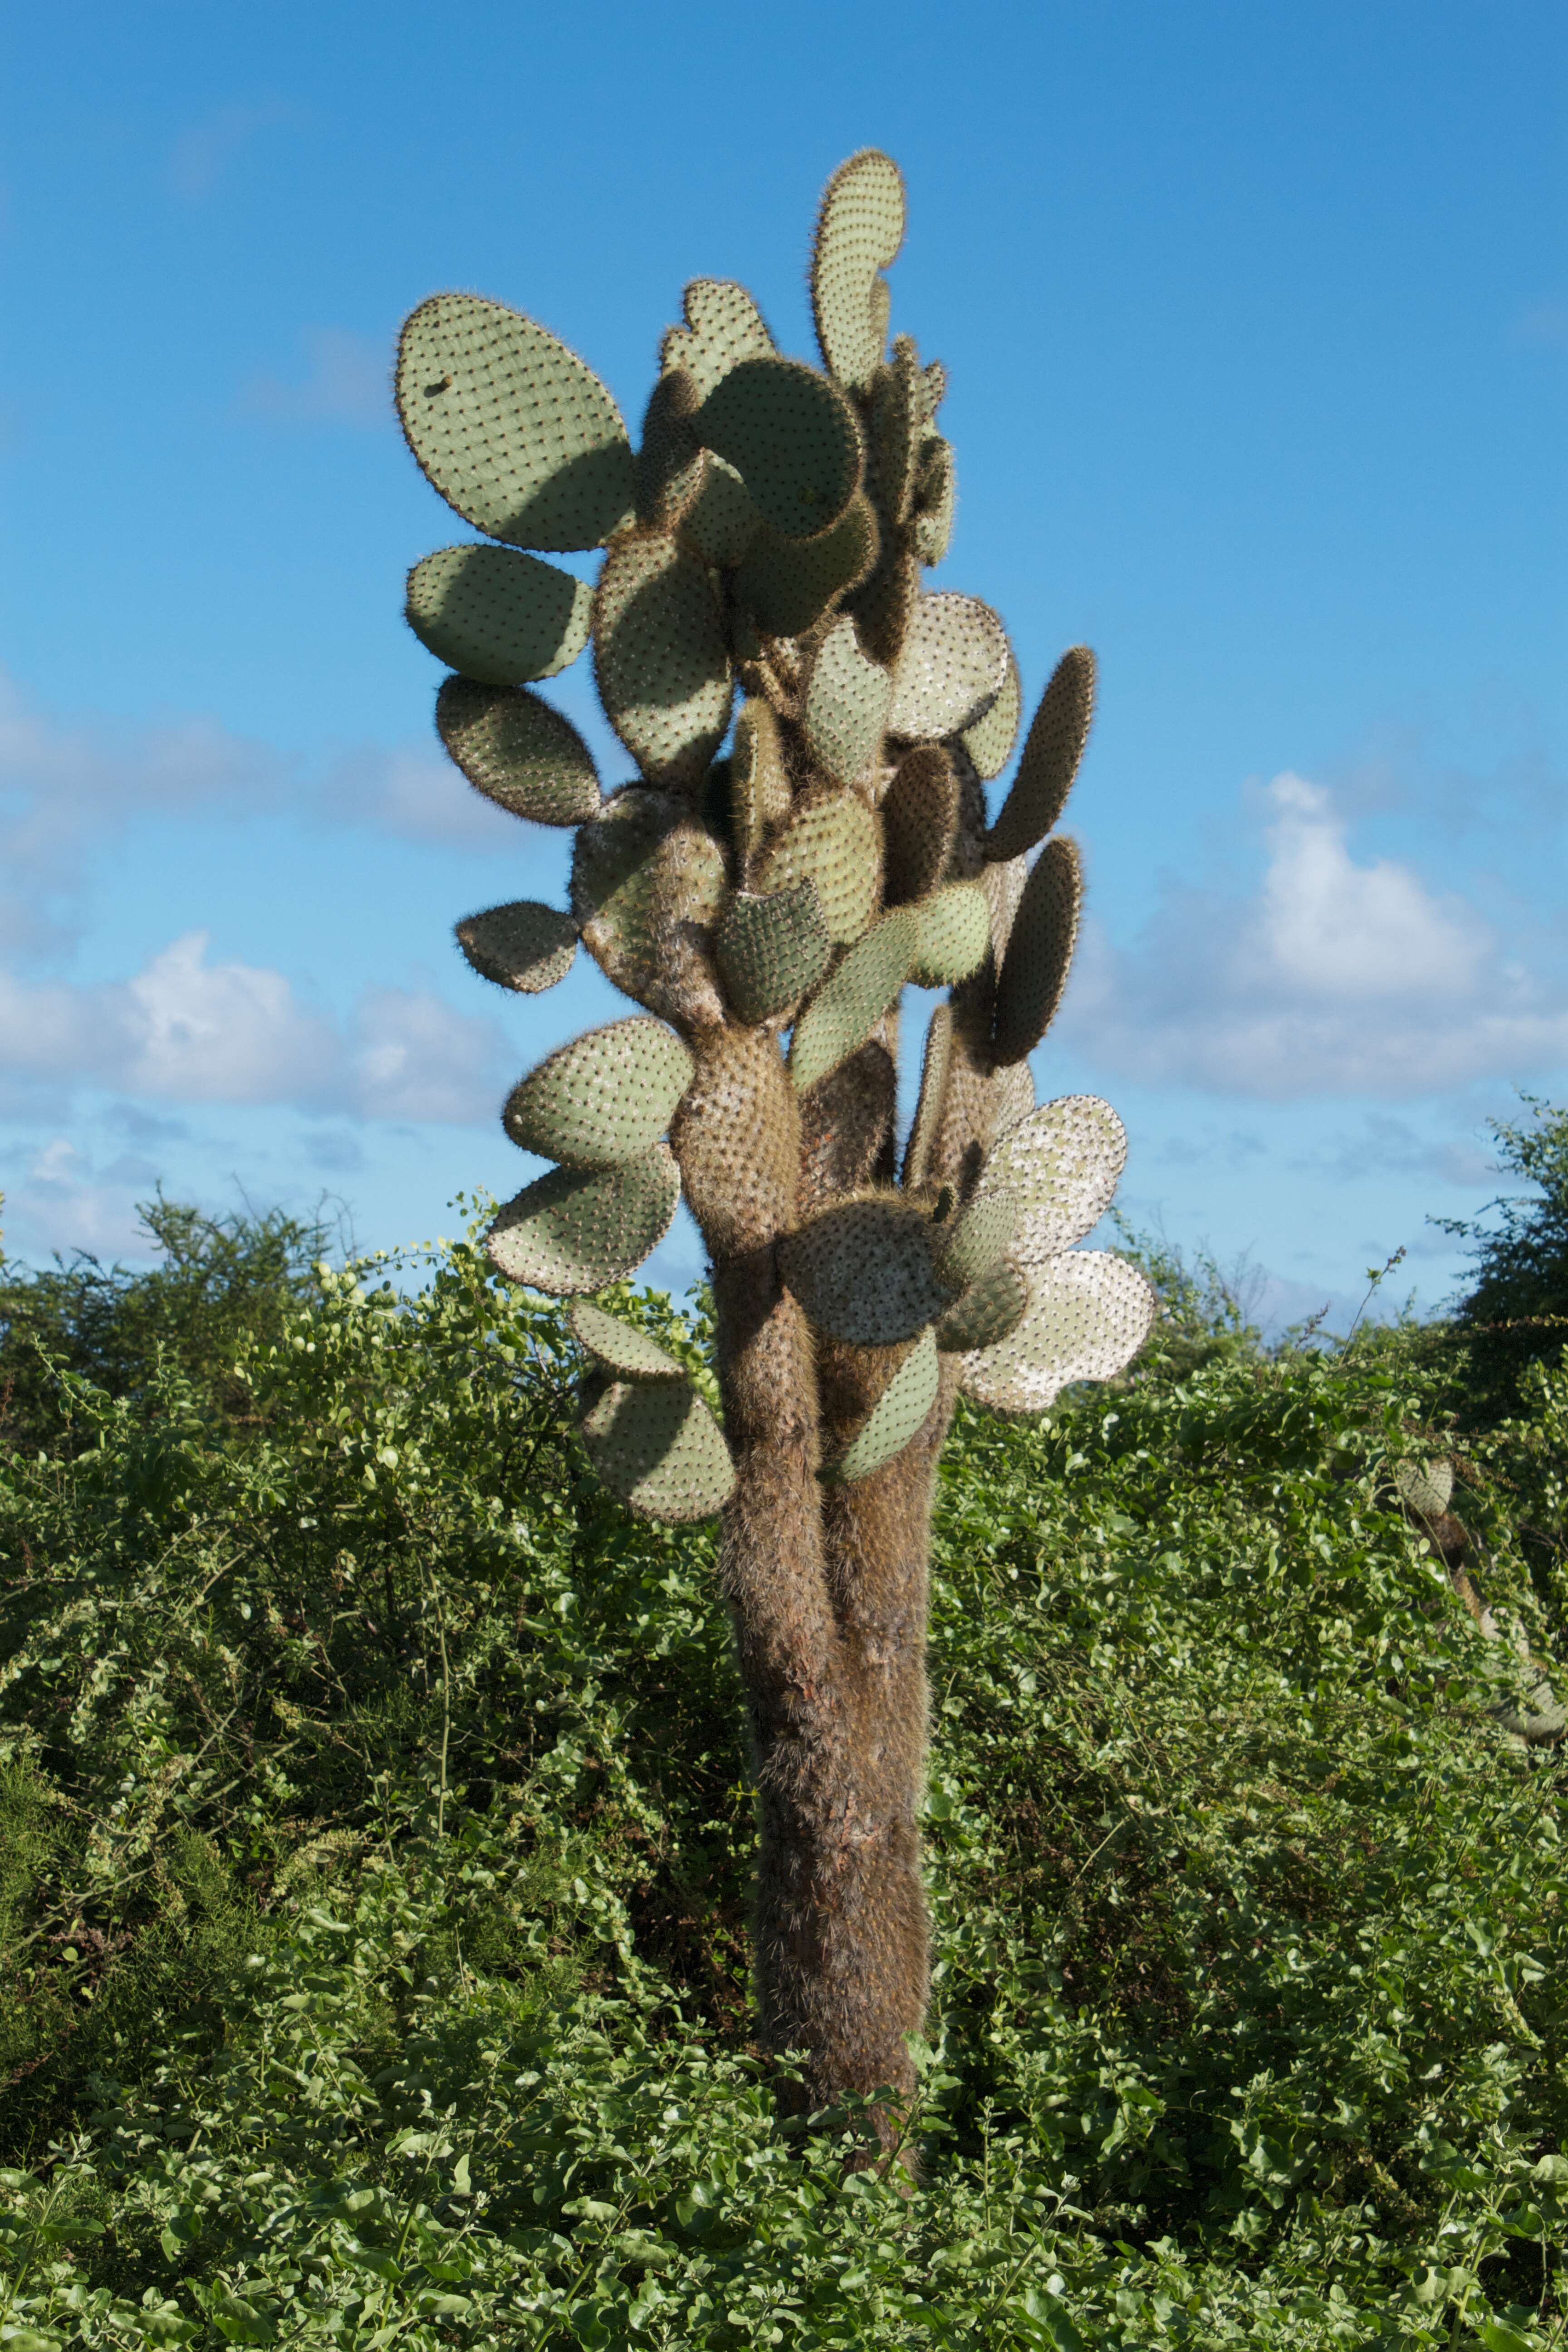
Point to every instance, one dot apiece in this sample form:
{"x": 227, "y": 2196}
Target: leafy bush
{"x": 375, "y": 1843}
{"x": 1515, "y": 1312}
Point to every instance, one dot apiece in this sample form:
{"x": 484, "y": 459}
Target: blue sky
{"x": 1256, "y": 328}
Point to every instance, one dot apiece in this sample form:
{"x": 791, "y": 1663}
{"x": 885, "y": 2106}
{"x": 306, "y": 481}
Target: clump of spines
{"x": 769, "y": 536}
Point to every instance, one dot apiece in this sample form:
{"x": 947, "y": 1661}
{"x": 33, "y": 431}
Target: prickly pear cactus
{"x": 812, "y": 729}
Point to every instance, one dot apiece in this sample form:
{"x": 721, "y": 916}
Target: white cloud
{"x": 348, "y": 381}
{"x": 186, "y": 1030}
{"x": 1337, "y": 977}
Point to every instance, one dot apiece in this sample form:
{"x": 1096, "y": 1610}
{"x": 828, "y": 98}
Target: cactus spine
{"x": 765, "y": 907}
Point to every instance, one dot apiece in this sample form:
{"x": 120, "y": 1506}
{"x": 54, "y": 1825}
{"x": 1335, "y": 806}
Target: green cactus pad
{"x": 919, "y": 823}
{"x": 645, "y": 878}
{"x": 976, "y": 1239}
{"x": 658, "y": 1448}
{"x": 723, "y": 327}
{"x": 660, "y": 658}
{"x": 954, "y": 935}
{"x": 1061, "y": 1164}
{"x": 620, "y": 1346}
{"x": 1003, "y": 888}
{"x": 885, "y": 606}
{"x": 933, "y": 380}
{"x": 1051, "y": 755}
{"x": 936, "y": 501}
{"x": 846, "y": 700}
{"x": 786, "y": 585}
{"x": 1424, "y": 1488}
{"x": 897, "y": 430}
{"x": 837, "y": 845}
{"x": 512, "y": 428}
{"x": 523, "y": 946}
{"x": 497, "y": 614}
{"x": 989, "y": 742}
{"x": 772, "y": 949}
{"x": 604, "y": 1099}
{"x": 953, "y": 666}
{"x": 994, "y": 1306}
{"x": 573, "y": 1230}
{"x": 1088, "y": 1316}
{"x": 670, "y": 450}
{"x": 934, "y": 1071}
{"x": 847, "y": 1008}
{"x": 1034, "y": 968}
{"x": 720, "y": 520}
{"x": 864, "y": 1272}
{"x": 899, "y": 1415}
{"x": 759, "y": 781}
{"x": 792, "y": 439}
{"x": 859, "y": 229}
{"x": 518, "y": 751}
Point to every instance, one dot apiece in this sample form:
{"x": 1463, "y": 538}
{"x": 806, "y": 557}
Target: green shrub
{"x": 376, "y": 1826}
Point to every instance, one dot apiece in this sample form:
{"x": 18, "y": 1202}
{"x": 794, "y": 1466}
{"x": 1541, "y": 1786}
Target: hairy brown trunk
{"x": 827, "y": 1586}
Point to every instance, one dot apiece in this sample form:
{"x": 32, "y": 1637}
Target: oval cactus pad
{"x": 1034, "y": 968}
{"x": 626, "y": 1351}
{"x": 519, "y": 750}
{"x": 1052, "y": 751}
{"x": 660, "y": 656}
{"x": 899, "y": 1414}
{"x": 1088, "y": 1314}
{"x": 496, "y": 615}
{"x": 574, "y": 1231}
{"x": 511, "y": 426}
{"x": 772, "y": 949}
{"x": 792, "y": 439}
{"x": 1062, "y": 1164}
{"x": 603, "y": 1099}
{"x": 859, "y": 229}
{"x": 850, "y": 1003}
{"x": 864, "y": 1272}
{"x": 657, "y": 1445}
{"x": 524, "y": 946}
{"x": 835, "y": 844}
{"x": 954, "y": 935}
{"x": 952, "y": 667}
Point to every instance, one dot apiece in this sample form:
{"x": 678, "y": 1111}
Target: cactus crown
{"x": 767, "y": 544}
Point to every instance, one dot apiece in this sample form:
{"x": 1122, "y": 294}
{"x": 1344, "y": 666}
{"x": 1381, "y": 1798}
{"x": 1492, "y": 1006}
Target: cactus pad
{"x": 994, "y": 1306}
{"x": 759, "y": 783}
{"x": 970, "y": 1244}
{"x": 647, "y": 882}
{"x": 719, "y": 520}
{"x": 934, "y": 1071}
{"x": 511, "y": 426}
{"x": 1004, "y": 887}
{"x": 848, "y": 1007}
{"x": 1088, "y": 1316}
{"x": 574, "y": 1231}
{"x": 952, "y": 667}
{"x": 897, "y": 423}
{"x": 1034, "y": 968}
{"x": 1012, "y": 1096}
{"x": 847, "y": 700}
{"x": 723, "y": 327}
{"x": 604, "y": 1098}
{"x": 989, "y": 742}
{"x": 787, "y": 583}
{"x": 666, "y": 460}
{"x": 864, "y": 1271}
{"x": 859, "y": 229}
{"x": 658, "y": 1448}
{"x": 1051, "y": 754}
{"x": 897, "y": 1416}
{"x": 837, "y": 844}
{"x": 919, "y": 821}
{"x": 523, "y": 946}
{"x": 624, "y": 1351}
{"x": 1424, "y": 1488}
{"x": 497, "y": 614}
{"x": 954, "y": 935}
{"x": 516, "y": 748}
{"x": 661, "y": 657}
{"x": 936, "y": 501}
{"x": 792, "y": 439}
{"x": 772, "y": 949}
{"x": 1061, "y": 1164}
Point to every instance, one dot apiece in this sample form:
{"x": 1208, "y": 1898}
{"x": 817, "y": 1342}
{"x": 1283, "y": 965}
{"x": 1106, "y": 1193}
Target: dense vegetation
{"x": 376, "y": 1826}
